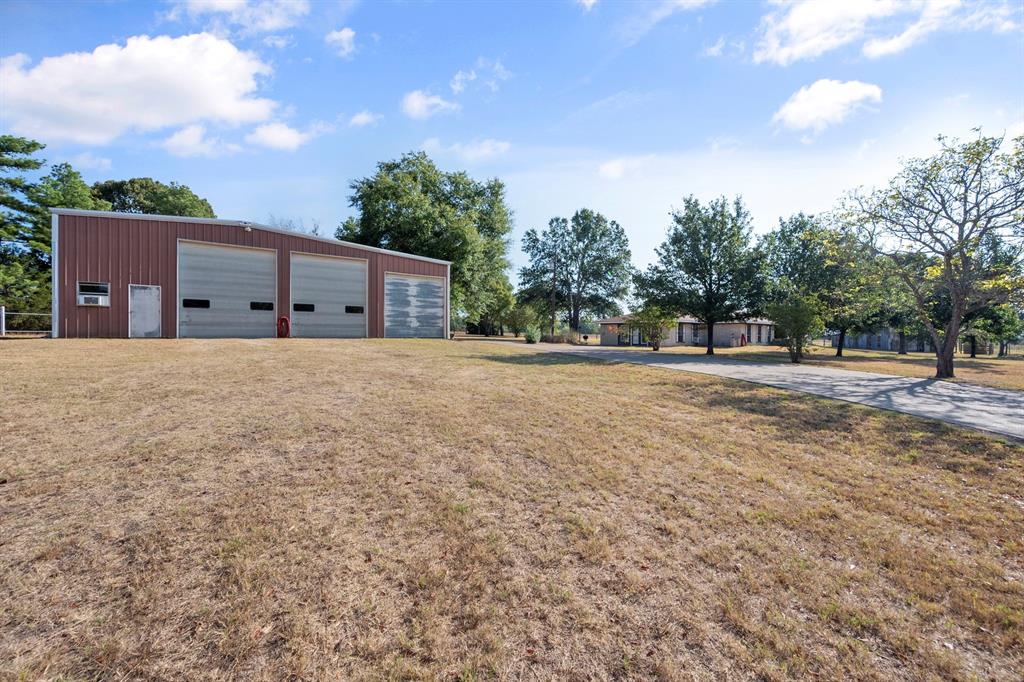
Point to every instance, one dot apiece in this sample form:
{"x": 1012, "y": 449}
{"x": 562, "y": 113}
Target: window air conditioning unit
{"x": 92, "y": 299}
{"x": 94, "y": 293}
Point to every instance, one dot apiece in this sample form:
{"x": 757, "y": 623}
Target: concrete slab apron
{"x": 988, "y": 409}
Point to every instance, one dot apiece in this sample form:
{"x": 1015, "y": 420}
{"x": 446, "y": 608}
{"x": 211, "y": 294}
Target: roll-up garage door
{"x": 413, "y": 306}
{"x": 328, "y": 296}
{"x": 226, "y": 291}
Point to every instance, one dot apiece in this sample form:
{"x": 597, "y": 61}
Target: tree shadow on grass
{"x": 919, "y": 360}
{"x": 543, "y": 359}
{"x": 801, "y": 418}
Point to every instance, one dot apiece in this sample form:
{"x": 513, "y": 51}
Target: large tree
{"x": 17, "y": 156}
{"x": 706, "y": 267}
{"x": 146, "y": 195}
{"x": 25, "y": 222}
{"x": 21, "y": 283}
{"x": 582, "y": 264}
{"x": 62, "y": 187}
{"x": 808, "y": 258}
{"x": 411, "y": 205}
{"x": 959, "y": 211}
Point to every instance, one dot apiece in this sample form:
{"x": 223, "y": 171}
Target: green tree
{"x": 899, "y": 312}
{"x": 945, "y": 211}
{"x": 521, "y": 317}
{"x": 21, "y": 281}
{"x": 582, "y": 264}
{"x": 653, "y": 323}
{"x": 146, "y": 195}
{"x": 16, "y": 158}
{"x": 797, "y": 320}
{"x": 1004, "y": 325}
{"x": 411, "y": 205}
{"x": 806, "y": 257}
{"x": 62, "y": 187}
{"x": 998, "y": 324}
{"x": 501, "y": 301}
{"x": 706, "y": 267}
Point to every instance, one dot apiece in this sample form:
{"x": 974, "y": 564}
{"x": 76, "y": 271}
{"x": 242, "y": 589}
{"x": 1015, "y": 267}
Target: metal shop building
{"x": 125, "y": 275}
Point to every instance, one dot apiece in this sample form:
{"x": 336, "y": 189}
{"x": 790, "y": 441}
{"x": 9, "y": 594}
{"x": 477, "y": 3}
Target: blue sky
{"x": 273, "y": 108}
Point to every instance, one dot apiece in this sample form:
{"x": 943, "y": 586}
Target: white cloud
{"x": 612, "y": 170}
{"x": 806, "y": 29}
{"x": 637, "y": 26}
{"x": 460, "y": 79}
{"x": 363, "y": 118}
{"x": 192, "y": 141}
{"x": 279, "y": 41}
{"x": 587, "y": 5}
{"x": 90, "y": 161}
{"x": 422, "y": 105}
{"x": 144, "y": 85}
{"x": 477, "y": 150}
{"x": 934, "y": 16}
{"x": 252, "y": 16}
{"x": 715, "y": 49}
{"x": 617, "y": 169}
{"x": 824, "y": 103}
{"x": 281, "y": 136}
{"x": 724, "y": 47}
{"x": 343, "y": 41}
{"x": 490, "y": 72}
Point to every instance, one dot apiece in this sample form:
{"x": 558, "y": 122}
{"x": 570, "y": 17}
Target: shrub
{"x": 532, "y": 335}
{"x": 797, "y": 321}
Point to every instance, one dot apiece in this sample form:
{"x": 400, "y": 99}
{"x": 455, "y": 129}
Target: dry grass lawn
{"x": 983, "y": 370}
{"x": 388, "y": 509}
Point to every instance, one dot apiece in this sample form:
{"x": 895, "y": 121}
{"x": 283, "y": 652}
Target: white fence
{"x": 18, "y": 324}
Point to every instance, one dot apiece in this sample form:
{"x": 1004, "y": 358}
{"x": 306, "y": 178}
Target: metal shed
{"x": 123, "y": 275}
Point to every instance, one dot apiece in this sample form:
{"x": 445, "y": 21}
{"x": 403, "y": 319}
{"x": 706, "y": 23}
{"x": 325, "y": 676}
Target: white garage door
{"x": 413, "y": 306}
{"x": 226, "y": 291}
{"x": 328, "y": 297}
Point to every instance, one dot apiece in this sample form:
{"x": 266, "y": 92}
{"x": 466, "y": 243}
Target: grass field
{"x": 983, "y": 370}
{"x": 386, "y": 509}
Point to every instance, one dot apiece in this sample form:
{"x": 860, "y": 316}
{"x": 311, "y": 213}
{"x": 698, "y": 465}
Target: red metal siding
{"x": 129, "y": 250}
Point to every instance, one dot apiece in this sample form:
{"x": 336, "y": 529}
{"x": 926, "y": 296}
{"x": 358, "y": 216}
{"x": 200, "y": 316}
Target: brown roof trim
{"x": 236, "y": 223}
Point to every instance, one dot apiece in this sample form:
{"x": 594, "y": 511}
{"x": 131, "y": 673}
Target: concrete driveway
{"x": 988, "y": 409}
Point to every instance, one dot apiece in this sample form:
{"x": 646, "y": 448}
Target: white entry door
{"x": 143, "y": 311}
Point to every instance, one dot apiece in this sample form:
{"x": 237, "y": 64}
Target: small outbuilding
{"x": 126, "y": 275}
{"x": 617, "y": 331}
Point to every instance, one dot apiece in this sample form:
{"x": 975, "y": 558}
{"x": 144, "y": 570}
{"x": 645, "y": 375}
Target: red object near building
{"x": 122, "y": 275}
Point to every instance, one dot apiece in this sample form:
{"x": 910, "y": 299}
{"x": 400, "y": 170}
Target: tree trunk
{"x": 944, "y": 354}
{"x": 794, "y": 352}
{"x": 944, "y": 364}
{"x": 903, "y": 343}
{"x": 1003, "y": 347}
{"x": 841, "y": 344}
{"x": 711, "y": 339}
{"x": 974, "y": 346}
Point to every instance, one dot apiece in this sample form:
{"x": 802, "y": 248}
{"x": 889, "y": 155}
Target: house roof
{"x": 686, "y": 319}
